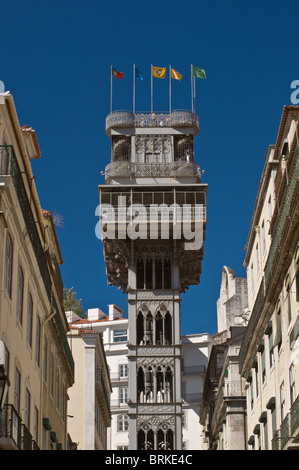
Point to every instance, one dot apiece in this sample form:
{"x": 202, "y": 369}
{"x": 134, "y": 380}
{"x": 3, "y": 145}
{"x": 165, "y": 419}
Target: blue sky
{"x": 55, "y": 60}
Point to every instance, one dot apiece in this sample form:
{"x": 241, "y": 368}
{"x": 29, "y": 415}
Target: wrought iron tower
{"x": 153, "y": 218}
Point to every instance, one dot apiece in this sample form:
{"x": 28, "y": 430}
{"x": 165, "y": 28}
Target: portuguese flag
{"x": 117, "y": 74}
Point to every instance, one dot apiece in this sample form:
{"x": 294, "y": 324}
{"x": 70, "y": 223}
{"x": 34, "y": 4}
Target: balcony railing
{"x": 288, "y": 433}
{"x": 163, "y": 214}
{"x": 10, "y": 428}
{"x": 295, "y": 416}
{"x": 26, "y": 438}
{"x": 177, "y": 118}
{"x": 154, "y": 170}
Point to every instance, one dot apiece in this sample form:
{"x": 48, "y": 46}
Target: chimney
{"x": 94, "y": 314}
{"x": 114, "y": 312}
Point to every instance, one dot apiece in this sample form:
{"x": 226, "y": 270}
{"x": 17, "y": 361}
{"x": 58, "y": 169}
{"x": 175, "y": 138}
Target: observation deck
{"x": 127, "y": 119}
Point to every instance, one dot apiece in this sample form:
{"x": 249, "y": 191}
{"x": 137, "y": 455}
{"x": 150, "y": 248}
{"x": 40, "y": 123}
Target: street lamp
{"x": 4, "y": 384}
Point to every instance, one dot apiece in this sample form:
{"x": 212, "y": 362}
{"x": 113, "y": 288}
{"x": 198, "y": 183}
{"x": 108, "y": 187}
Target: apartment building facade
{"x": 223, "y": 414}
{"x": 36, "y": 358}
{"x": 269, "y": 353}
{"x": 89, "y": 416}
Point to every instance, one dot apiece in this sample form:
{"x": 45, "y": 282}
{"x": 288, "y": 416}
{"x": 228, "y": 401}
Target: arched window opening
{"x": 149, "y": 386}
{"x": 140, "y": 328}
{"x": 165, "y": 439}
{"x": 160, "y": 386}
{"x": 168, "y": 329}
{"x": 169, "y": 385}
{"x": 159, "y": 328}
{"x": 140, "y": 386}
{"x": 145, "y": 440}
{"x": 148, "y": 339}
{"x": 141, "y": 440}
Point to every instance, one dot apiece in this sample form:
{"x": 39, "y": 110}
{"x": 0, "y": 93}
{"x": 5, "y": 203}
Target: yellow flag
{"x": 176, "y": 74}
{"x": 159, "y": 72}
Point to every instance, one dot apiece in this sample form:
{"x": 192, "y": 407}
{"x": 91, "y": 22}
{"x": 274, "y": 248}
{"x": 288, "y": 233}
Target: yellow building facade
{"x": 35, "y": 354}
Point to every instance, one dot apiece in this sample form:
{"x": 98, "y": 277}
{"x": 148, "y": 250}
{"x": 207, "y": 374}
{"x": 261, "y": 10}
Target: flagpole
{"x": 191, "y": 88}
{"x": 152, "y": 88}
{"x": 134, "y": 89}
{"x": 111, "y": 90}
{"x": 194, "y": 81}
{"x": 169, "y": 89}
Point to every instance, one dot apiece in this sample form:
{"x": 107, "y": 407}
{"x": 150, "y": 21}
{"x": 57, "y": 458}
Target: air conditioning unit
{"x": 2, "y": 354}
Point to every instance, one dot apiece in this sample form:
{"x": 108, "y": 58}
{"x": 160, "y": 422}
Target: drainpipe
{"x": 46, "y": 320}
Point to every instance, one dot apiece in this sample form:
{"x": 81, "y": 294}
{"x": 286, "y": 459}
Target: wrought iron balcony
{"x": 127, "y": 119}
{"x": 10, "y": 429}
{"x": 26, "y": 438}
{"x": 154, "y": 170}
{"x": 287, "y": 436}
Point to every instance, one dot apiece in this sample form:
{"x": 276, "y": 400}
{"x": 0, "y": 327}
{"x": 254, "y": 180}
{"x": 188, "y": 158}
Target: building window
{"x": 27, "y": 408}
{"x": 122, "y": 423}
{"x": 288, "y": 299}
{"x": 252, "y": 278}
{"x": 263, "y": 238}
{"x": 35, "y": 425}
{"x": 9, "y": 259}
{"x": 29, "y": 320}
{"x": 17, "y": 390}
{"x": 292, "y": 383}
{"x": 123, "y": 371}
{"x": 271, "y": 348}
{"x": 257, "y": 259}
{"x": 119, "y": 336}
{"x": 278, "y": 336}
{"x": 63, "y": 407}
{"x": 37, "y": 345}
{"x": 270, "y": 207}
{"x": 256, "y": 378}
{"x": 57, "y": 389}
{"x": 263, "y": 364}
{"x": 20, "y": 295}
{"x": 123, "y": 395}
{"x": 282, "y": 402}
{"x": 52, "y": 375}
{"x": 45, "y": 361}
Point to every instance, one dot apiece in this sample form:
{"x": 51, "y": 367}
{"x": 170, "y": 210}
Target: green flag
{"x": 199, "y": 73}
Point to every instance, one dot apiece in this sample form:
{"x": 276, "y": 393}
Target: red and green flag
{"x": 117, "y": 74}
